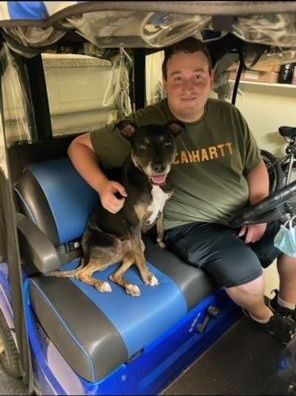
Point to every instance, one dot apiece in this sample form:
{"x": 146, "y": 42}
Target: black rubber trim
{"x": 33, "y": 203}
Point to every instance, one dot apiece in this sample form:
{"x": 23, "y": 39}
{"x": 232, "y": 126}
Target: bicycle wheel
{"x": 275, "y": 173}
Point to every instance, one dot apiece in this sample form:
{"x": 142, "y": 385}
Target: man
{"x": 217, "y": 172}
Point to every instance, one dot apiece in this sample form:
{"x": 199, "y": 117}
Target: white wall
{"x": 266, "y": 108}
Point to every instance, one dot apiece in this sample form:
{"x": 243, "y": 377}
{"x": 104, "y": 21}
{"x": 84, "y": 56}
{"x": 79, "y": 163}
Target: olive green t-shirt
{"x": 214, "y": 155}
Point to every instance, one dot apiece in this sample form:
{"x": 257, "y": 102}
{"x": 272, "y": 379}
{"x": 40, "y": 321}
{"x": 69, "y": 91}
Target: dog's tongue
{"x": 158, "y": 180}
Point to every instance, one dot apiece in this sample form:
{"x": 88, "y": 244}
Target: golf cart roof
{"x": 30, "y": 27}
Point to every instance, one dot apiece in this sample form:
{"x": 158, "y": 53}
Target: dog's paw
{"x": 161, "y": 244}
{"x": 133, "y": 290}
{"x": 152, "y": 280}
{"x": 103, "y": 287}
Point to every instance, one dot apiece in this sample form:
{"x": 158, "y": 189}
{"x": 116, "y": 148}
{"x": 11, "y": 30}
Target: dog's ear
{"x": 127, "y": 128}
{"x": 176, "y": 127}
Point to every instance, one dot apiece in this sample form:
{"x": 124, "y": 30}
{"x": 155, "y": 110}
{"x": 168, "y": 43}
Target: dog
{"x": 111, "y": 238}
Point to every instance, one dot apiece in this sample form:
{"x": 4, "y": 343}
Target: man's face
{"x": 188, "y": 85}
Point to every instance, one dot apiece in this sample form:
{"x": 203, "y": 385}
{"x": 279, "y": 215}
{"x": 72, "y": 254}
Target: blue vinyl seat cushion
{"x": 97, "y": 332}
{"x": 56, "y": 198}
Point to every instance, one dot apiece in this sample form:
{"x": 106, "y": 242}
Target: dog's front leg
{"x": 85, "y": 276}
{"x": 160, "y": 231}
{"x": 118, "y": 276}
{"x": 136, "y": 241}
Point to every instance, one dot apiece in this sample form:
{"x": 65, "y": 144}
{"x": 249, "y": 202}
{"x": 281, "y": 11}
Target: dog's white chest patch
{"x": 159, "y": 198}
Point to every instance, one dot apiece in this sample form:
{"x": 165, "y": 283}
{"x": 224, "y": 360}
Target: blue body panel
{"x": 5, "y": 295}
{"x": 148, "y": 372}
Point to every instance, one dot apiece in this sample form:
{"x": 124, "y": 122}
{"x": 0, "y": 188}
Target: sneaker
{"x": 281, "y": 328}
{"x": 283, "y": 311}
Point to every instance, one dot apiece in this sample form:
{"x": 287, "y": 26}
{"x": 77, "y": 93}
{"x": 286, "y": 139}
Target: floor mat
{"x": 243, "y": 361}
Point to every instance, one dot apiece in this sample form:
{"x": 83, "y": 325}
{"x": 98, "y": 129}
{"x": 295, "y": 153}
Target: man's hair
{"x": 188, "y": 45}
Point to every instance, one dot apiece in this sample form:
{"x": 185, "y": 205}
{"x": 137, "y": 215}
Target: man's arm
{"x": 85, "y": 160}
{"x": 258, "y": 182}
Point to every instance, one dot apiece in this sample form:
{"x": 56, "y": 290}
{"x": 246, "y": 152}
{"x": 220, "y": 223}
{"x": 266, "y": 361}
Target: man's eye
{"x": 197, "y": 77}
{"x": 142, "y": 146}
{"x": 178, "y": 79}
{"x": 167, "y": 144}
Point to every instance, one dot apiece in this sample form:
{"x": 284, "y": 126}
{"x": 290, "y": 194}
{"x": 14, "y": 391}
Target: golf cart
{"x": 69, "y": 68}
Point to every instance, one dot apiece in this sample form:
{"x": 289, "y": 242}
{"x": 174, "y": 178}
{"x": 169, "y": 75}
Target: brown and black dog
{"x": 111, "y": 238}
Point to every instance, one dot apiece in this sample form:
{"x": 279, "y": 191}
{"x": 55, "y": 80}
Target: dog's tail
{"x": 65, "y": 274}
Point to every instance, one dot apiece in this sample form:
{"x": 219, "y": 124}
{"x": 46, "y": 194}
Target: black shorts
{"x": 220, "y": 252}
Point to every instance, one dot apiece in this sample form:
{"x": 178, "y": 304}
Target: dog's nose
{"x": 158, "y": 168}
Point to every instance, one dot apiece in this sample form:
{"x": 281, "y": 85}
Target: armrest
{"x": 36, "y": 248}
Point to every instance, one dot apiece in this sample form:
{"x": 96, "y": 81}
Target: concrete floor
{"x": 11, "y": 386}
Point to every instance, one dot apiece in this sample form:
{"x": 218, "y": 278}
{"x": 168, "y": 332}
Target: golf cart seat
{"x": 100, "y": 333}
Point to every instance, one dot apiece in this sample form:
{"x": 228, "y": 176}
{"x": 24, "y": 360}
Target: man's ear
{"x": 164, "y": 84}
{"x": 126, "y": 128}
{"x": 212, "y": 78}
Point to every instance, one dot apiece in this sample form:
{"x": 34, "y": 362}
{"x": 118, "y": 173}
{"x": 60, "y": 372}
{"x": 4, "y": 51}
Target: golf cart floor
{"x": 243, "y": 361}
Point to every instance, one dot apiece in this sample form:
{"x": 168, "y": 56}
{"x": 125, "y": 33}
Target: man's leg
{"x": 234, "y": 266}
{"x": 250, "y": 296}
{"x": 227, "y": 259}
{"x": 287, "y": 273}
{"x": 285, "y": 299}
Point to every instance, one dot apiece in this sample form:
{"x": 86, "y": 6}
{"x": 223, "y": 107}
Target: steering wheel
{"x": 274, "y": 207}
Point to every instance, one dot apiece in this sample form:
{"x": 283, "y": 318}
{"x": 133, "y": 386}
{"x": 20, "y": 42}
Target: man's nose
{"x": 188, "y": 84}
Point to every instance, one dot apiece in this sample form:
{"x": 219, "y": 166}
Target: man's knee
{"x": 240, "y": 269}
{"x": 254, "y": 287}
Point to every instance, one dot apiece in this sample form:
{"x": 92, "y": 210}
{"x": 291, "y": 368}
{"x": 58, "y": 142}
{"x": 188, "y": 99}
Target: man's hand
{"x": 108, "y": 196}
{"x": 252, "y": 232}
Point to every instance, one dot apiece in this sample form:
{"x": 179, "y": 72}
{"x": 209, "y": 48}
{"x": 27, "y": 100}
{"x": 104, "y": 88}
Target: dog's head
{"x": 153, "y": 147}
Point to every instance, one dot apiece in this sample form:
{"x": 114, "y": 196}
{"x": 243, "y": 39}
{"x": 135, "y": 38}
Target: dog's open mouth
{"x": 158, "y": 180}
